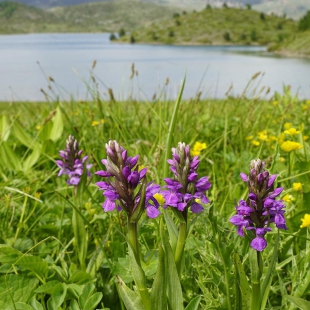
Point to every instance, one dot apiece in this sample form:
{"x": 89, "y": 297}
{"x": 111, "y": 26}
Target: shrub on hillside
{"x": 304, "y": 23}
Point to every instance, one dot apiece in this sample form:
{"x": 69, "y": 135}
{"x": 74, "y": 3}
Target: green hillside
{"x": 216, "y": 26}
{"x": 92, "y": 17}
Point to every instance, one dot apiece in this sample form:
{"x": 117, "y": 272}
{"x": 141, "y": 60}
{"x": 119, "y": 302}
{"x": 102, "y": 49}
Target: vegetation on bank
{"x": 40, "y": 262}
{"x": 217, "y": 26}
{"x": 92, "y": 17}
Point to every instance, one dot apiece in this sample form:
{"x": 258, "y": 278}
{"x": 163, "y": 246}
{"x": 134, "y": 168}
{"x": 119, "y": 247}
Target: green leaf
{"x": 5, "y": 128}
{"x": 131, "y": 299}
{"x": 299, "y": 302}
{"x": 59, "y": 294}
{"x": 80, "y": 277}
{"x": 174, "y": 290}
{"x": 35, "y": 304}
{"x": 47, "y": 288}
{"x": 74, "y": 305}
{"x": 245, "y": 288}
{"x": 172, "y": 230}
{"x": 32, "y": 159}
{"x": 20, "y": 306}
{"x": 194, "y": 303}
{"x": 16, "y": 288}
{"x": 57, "y": 126}
{"x": 159, "y": 288}
{"x": 8, "y": 157}
{"x": 88, "y": 290}
{"x": 24, "y": 138}
{"x": 93, "y": 301}
{"x": 33, "y": 263}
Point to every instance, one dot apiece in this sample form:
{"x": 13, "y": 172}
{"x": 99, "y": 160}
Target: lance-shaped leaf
{"x": 299, "y": 302}
{"x": 194, "y": 303}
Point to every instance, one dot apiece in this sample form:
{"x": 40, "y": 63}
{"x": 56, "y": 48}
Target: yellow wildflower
{"x": 297, "y": 187}
{"x": 37, "y": 195}
{"x": 255, "y": 143}
{"x": 275, "y": 103}
{"x": 292, "y": 131}
{"x": 304, "y": 107}
{"x": 140, "y": 167}
{"x": 160, "y": 198}
{"x": 197, "y": 148}
{"x": 198, "y": 200}
{"x": 308, "y": 102}
{"x": 102, "y": 121}
{"x": 305, "y": 138}
{"x": 262, "y": 135}
{"x": 38, "y": 127}
{"x": 95, "y": 123}
{"x": 289, "y": 146}
{"x": 282, "y": 159}
{"x": 271, "y": 138}
{"x": 305, "y": 221}
{"x": 248, "y": 138}
{"x": 287, "y": 125}
{"x": 288, "y": 198}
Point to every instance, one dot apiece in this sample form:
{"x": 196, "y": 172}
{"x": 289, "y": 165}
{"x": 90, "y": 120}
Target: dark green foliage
{"x": 254, "y": 36}
{"x": 154, "y": 36}
{"x": 262, "y": 16}
{"x": 184, "y": 12}
{"x": 176, "y": 15}
{"x": 243, "y": 36}
{"x": 279, "y": 26}
{"x": 208, "y": 7}
{"x": 248, "y": 6}
{"x": 7, "y": 8}
{"x": 171, "y": 33}
{"x": 122, "y": 32}
{"x": 304, "y": 23}
{"x": 177, "y": 22}
{"x": 132, "y": 39}
{"x": 112, "y": 37}
{"x": 225, "y": 6}
{"x": 227, "y": 36}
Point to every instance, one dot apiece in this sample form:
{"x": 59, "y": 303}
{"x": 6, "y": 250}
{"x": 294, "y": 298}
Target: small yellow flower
{"x": 38, "y": 127}
{"x": 198, "y": 200}
{"x": 37, "y": 195}
{"x": 281, "y": 138}
{"x": 255, "y": 143}
{"x": 248, "y": 138}
{"x": 292, "y": 131}
{"x": 197, "y": 148}
{"x": 282, "y": 159}
{"x": 271, "y": 138}
{"x": 95, "y": 123}
{"x": 102, "y": 121}
{"x": 305, "y": 221}
{"x": 262, "y": 135}
{"x": 288, "y": 198}
{"x": 304, "y": 107}
{"x": 160, "y": 198}
{"x": 297, "y": 187}
{"x": 287, "y": 125}
{"x": 289, "y": 146}
{"x": 275, "y": 103}
{"x": 305, "y": 138}
{"x": 308, "y": 102}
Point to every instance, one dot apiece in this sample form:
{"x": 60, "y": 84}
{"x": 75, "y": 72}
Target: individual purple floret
{"x": 72, "y": 164}
{"x": 185, "y": 190}
{"x": 261, "y": 207}
{"x": 123, "y": 184}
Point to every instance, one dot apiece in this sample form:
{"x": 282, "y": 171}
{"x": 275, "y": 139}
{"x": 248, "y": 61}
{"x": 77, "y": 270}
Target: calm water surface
{"x": 26, "y": 62}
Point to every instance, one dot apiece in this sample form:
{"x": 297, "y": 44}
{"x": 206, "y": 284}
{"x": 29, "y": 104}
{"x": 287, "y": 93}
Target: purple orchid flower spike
{"x": 185, "y": 190}
{"x": 261, "y": 207}
{"x": 125, "y": 187}
{"x": 72, "y": 164}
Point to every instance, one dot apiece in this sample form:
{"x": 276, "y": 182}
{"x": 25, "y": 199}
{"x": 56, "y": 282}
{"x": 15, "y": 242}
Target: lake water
{"x": 26, "y": 62}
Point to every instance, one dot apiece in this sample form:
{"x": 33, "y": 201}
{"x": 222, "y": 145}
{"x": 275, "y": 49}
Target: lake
{"x": 27, "y": 62}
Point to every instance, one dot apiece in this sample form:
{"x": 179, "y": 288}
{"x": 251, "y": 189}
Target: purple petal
{"x": 108, "y": 205}
{"x": 244, "y": 177}
{"x": 271, "y": 180}
{"x": 196, "y": 207}
{"x": 103, "y": 173}
{"x": 259, "y": 243}
{"x": 151, "y": 211}
{"x": 276, "y": 192}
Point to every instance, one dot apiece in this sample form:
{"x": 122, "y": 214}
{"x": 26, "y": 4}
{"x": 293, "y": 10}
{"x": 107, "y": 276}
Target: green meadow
{"x": 60, "y": 252}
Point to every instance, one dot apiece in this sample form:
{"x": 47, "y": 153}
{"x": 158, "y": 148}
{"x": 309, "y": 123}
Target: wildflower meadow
{"x": 162, "y": 205}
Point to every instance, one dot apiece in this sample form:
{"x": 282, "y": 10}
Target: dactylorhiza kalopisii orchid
{"x": 123, "y": 185}
{"x": 72, "y": 164}
{"x": 261, "y": 207}
{"x": 185, "y": 191}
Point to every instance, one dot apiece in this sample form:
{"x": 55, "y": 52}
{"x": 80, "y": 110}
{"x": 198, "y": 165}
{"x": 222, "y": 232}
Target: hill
{"x": 216, "y": 27}
{"x": 93, "y": 17}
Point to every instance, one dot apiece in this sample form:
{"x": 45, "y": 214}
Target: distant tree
{"x": 177, "y": 22}
{"x": 171, "y": 33}
{"x": 226, "y": 36}
{"x": 262, "y": 16}
{"x": 208, "y": 7}
{"x": 243, "y": 37}
{"x": 112, "y": 37}
{"x": 284, "y": 15}
{"x": 176, "y": 15}
{"x": 194, "y": 11}
{"x": 121, "y": 32}
{"x": 225, "y": 6}
{"x": 279, "y": 26}
{"x": 248, "y": 6}
{"x": 281, "y": 37}
{"x": 254, "y": 36}
{"x": 7, "y": 8}
{"x": 304, "y": 22}
{"x": 184, "y": 12}
{"x": 154, "y": 36}
{"x": 132, "y": 39}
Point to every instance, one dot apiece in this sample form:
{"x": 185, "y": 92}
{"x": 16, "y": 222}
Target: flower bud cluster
{"x": 123, "y": 183}
{"x": 72, "y": 164}
{"x": 185, "y": 189}
{"x": 261, "y": 207}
